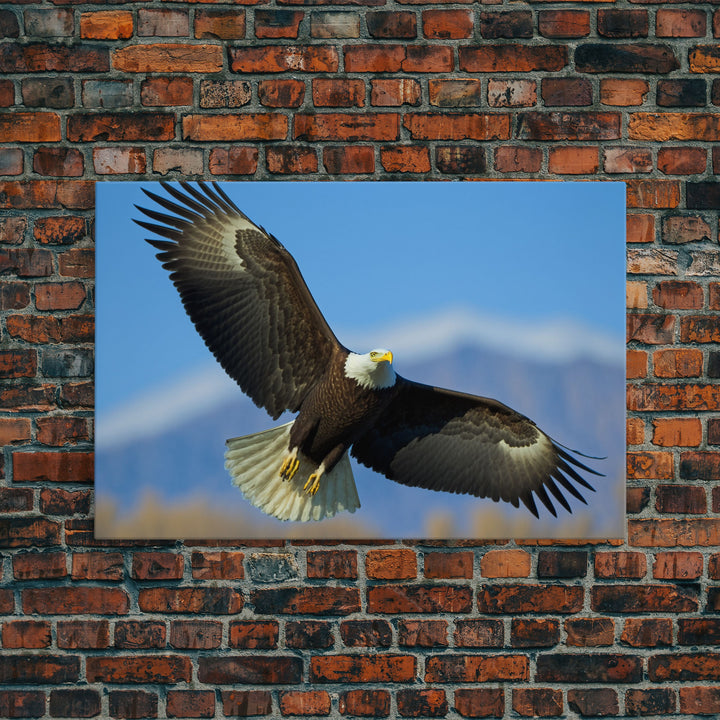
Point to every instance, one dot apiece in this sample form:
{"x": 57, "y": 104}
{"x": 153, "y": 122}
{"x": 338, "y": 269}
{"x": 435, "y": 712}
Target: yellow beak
{"x": 387, "y": 356}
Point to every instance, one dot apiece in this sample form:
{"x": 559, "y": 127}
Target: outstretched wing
{"x": 244, "y": 293}
{"x": 444, "y": 440}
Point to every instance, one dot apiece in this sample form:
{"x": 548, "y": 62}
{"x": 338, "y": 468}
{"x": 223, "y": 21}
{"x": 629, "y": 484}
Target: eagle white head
{"x": 372, "y": 370}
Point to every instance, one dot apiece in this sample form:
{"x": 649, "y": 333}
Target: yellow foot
{"x": 290, "y": 465}
{"x": 313, "y": 484}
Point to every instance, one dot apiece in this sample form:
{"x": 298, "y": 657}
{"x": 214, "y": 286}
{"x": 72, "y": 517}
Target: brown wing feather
{"x": 444, "y": 440}
{"x": 245, "y": 294}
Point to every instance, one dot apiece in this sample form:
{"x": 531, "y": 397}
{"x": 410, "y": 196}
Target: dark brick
{"x": 308, "y": 634}
{"x": 622, "y": 23}
{"x": 254, "y": 669}
{"x": 562, "y": 564}
{"x": 49, "y": 92}
{"x": 590, "y": 668}
{"x": 703, "y": 195}
{"x": 246, "y": 703}
{"x": 534, "y": 633}
{"x": 254, "y": 635}
{"x": 514, "y": 24}
{"x": 277, "y": 23}
{"x": 592, "y": 702}
{"x": 9, "y": 26}
{"x": 366, "y": 633}
{"x": 39, "y": 669}
{"x": 568, "y": 126}
{"x": 654, "y": 701}
{"x": 391, "y": 24}
{"x": 22, "y": 703}
{"x": 428, "y": 702}
{"x": 479, "y": 633}
{"x": 681, "y": 93}
{"x": 639, "y": 58}
{"x": 75, "y": 703}
{"x": 644, "y": 598}
{"x": 699, "y": 631}
{"x": 133, "y": 704}
{"x": 306, "y": 601}
{"x": 460, "y": 159}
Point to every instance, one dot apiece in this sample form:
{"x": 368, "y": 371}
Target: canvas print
{"x": 360, "y": 360}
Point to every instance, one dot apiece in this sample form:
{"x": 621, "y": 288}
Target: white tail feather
{"x": 254, "y": 464}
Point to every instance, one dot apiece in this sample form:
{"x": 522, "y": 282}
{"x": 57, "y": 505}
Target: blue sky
{"x": 373, "y": 254}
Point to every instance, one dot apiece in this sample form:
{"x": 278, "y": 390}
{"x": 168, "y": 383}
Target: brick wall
{"x": 359, "y": 89}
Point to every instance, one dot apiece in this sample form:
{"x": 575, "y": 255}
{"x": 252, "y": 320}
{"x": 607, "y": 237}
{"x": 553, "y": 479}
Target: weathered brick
{"x": 39, "y": 669}
{"x": 698, "y": 631}
{"x": 115, "y": 127}
{"x": 195, "y": 634}
{"x": 11, "y": 159}
{"x": 568, "y": 126}
{"x": 393, "y": 92}
{"x": 253, "y": 635}
{"x": 677, "y": 363}
{"x": 26, "y": 634}
{"x": 168, "y": 57}
{"x": 230, "y": 93}
{"x": 515, "y": 599}
{"x": 460, "y": 159}
{"x": 456, "y": 126}
{"x": 107, "y": 93}
{"x": 221, "y": 565}
{"x": 505, "y": 563}
{"x": 308, "y": 702}
{"x": 534, "y": 633}
{"x": 422, "y": 633}
{"x": 628, "y": 58}
{"x": 59, "y": 230}
{"x": 391, "y": 24}
{"x": 208, "y": 600}
{"x": 278, "y": 58}
{"x": 562, "y": 564}
{"x": 52, "y": 57}
{"x": 703, "y": 195}
{"x": 593, "y": 702}
{"x": 673, "y": 126}
{"x": 590, "y": 668}
{"x": 649, "y": 702}
{"x": 647, "y": 632}
{"x": 566, "y": 91}
{"x": 399, "y": 564}
{"x": 291, "y": 160}
{"x": 191, "y": 703}
{"x": 338, "y": 92}
{"x": 455, "y": 93}
{"x": 671, "y": 432}
{"x": 348, "y": 160}
{"x": 250, "y": 126}
{"x": 512, "y": 58}
{"x": 12, "y": 230}
{"x": 616, "y": 564}
{"x": 537, "y": 702}
{"x": 478, "y": 633}
{"x": 135, "y": 634}
{"x": 623, "y": 93}
{"x": 447, "y": 24}
{"x": 627, "y": 160}
{"x": 681, "y": 93}
{"x": 308, "y": 634}
{"x": 97, "y": 566}
{"x": 509, "y": 159}
{"x": 699, "y": 700}
{"x": 163, "y": 22}
{"x": 405, "y": 158}
{"x": 678, "y": 565}
{"x": 346, "y": 127}
{"x": 429, "y": 702}
{"x": 106, "y": 25}
{"x": 132, "y": 704}
{"x": 645, "y": 465}
{"x": 75, "y": 600}
{"x": 476, "y": 668}
{"x": 614, "y": 23}
{"x": 704, "y": 59}
{"x": 277, "y": 23}
{"x": 365, "y": 703}
{"x": 573, "y": 160}
{"x": 254, "y": 669}
{"x": 679, "y": 295}
{"x": 419, "y": 599}
{"x": 448, "y": 565}
{"x": 246, "y": 702}
{"x": 480, "y": 702}
{"x": 564, "y": 23}
{"x": 669, "y": 533}
{"x": 83, "y": 634}
{"x": 590, "y": 632}
{"x": 306, "y": 601}
{"x": 366, "y": 633}
{"x": 512, "y": 93}
{"x": 680, "y": 23}
{"x": 637, "y": 364}
{"x": 233, "y": 161}
{"x": 138, "y": 669}
{"x": 219, "y": 24}
{"x": 512, "y": 24}
{"x": 22, "y": 703}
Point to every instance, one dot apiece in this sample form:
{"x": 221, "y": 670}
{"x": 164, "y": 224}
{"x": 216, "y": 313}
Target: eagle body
{"x": 248, "y": 300}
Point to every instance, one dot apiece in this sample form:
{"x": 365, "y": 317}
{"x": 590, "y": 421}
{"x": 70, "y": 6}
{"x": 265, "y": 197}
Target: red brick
{"x": 651, "y": 328}
{"x": 623, "y": 93}
{"x": 97, "y": 566}
{"x": 647, "y": 632}
{"x": 332, "y": 564}
{"x": 681, "y": 499}
{"x": 346, "y": 127}
{"x": 512, "y": 24}
{"x": 134, "y": 634}
{"x": 682, "y": 161}
{"x": 30, "y": 127}
{"x": 366, "y": 633}
{"x": 249, "y": 126}
{"x": 678, "y": 295}
{"x": 573, "y": 125}
{"x": 365, "y": 703}
{"x": 448, "y": 565}
{"x": 455, "y": 93}
{"x": 699, "y": 700}
{"x": 281, "y": 93}
{"x": 378, "y": 668}
{"x": 391, "y": 24}
{"x": 478, "y": 633}
{"x": 678, "y": 565}
{"x": 14, "y": 500}
{"x": 191, "y": 703}
{"x": 447, "y": 24}
{"x": 393, "y": 92}
{"x": 476, "y": 668}
{"x": 590, "y": 632}
{"x": 14, "y": 295}
{"x": 404, "y": 158}
{"x": 279, "y": 58}
{"x": 534, "y": 633}
{"x": 233, "y": 161}
{"x": 166, "y": 91}
{"x": 58, "y": 162}
{"x": 306, "y": 601}
{"x": 400, "y": 564}
{"x": 637, "y": 499}
{"x": 480, "y": 702}
{"x": 460, "y": 159}
{"x": 39, "y": 566}
{"x": 699, "y": 329}
{"x": 246, "y": 702}
{"x": 132, "y": 704}
{"x": 653, "y": 193}
{"x": 512, "y": 57}
{"x": 26, "y": 634}
{"x": 671, "y": 432}
{"x": 220, "y": 565}
{"x": 53, "y": 467}
{"x": 627, "y": 160}
{"x": 429, "y": 702}
{"x": 59, "y": 296}
{"x": 196, "y": 634}
{"x": 505, "y": 563}
{"x": 256, "y": 669}
{"x": 120, "y": 127}
{"x": 635, "y": 431}
{"x": 39, "y": 329}
{"x": 670, "y": 533}
{"x": 609, "y": 565}
{"x": 338, "y": 92}
{"x": 83, "y": 634}
{"x": 59, "y": 230}
{"x": 349, "y": 159}
{"x": 510, "y": 159}
{"x": 22, "y": 703}
{"x": 515, "y": 599}
{"x": 68, "y": 194}
{"x": 573, "y": 160}
{"x": 39, "y": 669}
{"x": 537, "y": 702}
{"x": 309, "y": 702}
{"x": 636, "y": 294}
{"x": 614, "y": 23}
{"x": 566, "y": 91}
{"x": 564, "y": 23}
{"x": 679, "y": 229}
{"x": 106, "y": 25}
{"x": 168, "y": 57}
{"x": 253, "y": 635}
{"x": 422, "y": 633}
{"x": 28, "y": 530}
{"x": 290, "y": 160}
{"x": 442, "y": 126}
{"x": 680, "y": 23}
{"x": 277, "y": 23}
{"x": 647, "y": 465}
{"x": 650, "y": 702}
{"x": 207, "y": 600}
{"x": 14, "y": 431}
{"x": 138, "y": 669}
{"x": 219, "y": 24}
{"x": 308, "y": 634}
{"x": 677, "y": 363}
{"x": 57, "y": 501}
{"x": 419, "y": 599}
{"x": 660, "y": 127}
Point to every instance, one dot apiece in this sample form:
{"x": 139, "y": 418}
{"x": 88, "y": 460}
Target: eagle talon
{"x": 313, "y": 484}
{"x": 289, "y": 466}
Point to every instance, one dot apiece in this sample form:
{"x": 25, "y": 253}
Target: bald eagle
{"x": 245, "y": 294}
